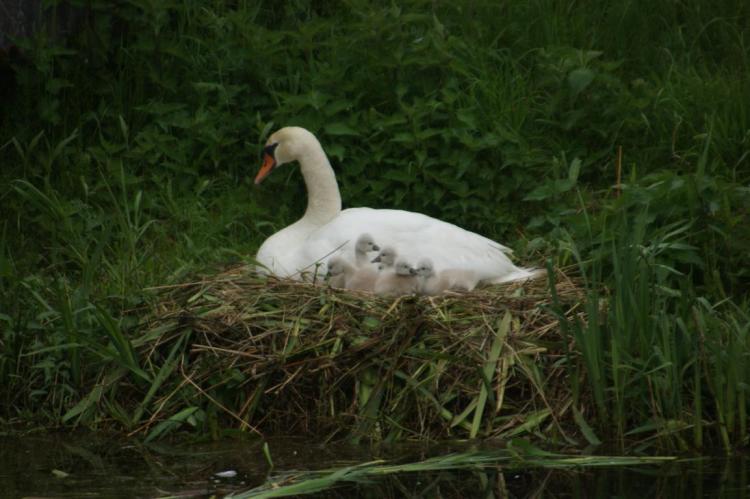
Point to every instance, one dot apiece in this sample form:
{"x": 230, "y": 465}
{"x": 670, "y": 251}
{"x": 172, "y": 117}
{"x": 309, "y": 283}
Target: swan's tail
{"x": 520, "y": 274}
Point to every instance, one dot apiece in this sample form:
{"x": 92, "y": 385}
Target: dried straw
{"x": 281, "y": 357}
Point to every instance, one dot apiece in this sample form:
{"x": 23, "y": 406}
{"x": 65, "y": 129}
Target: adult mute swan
{"x": 325, "y": 230}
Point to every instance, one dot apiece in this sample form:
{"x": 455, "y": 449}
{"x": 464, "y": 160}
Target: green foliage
{"x": 655, "y": 367}
{"x": 126, "y": 148}
{"x": 519, "y": 453}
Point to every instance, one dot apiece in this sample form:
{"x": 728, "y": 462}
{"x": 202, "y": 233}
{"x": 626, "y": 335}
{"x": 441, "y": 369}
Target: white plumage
{"x": 339, "y": 272}
{"x": 401, "y": 279}
{"x": 326, "y": 229}
{"x": 435, "y": 283}
{"x": 365, "y": 274}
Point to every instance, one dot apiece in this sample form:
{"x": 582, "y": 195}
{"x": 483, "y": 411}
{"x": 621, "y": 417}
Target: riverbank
{"x": 230, "y": 351}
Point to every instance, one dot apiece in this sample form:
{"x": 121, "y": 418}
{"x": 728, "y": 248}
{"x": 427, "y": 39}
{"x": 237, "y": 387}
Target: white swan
{"x": 325, "y": 229}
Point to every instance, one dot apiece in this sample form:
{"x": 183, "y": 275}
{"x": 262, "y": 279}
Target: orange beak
{"x": 265, "y": 169}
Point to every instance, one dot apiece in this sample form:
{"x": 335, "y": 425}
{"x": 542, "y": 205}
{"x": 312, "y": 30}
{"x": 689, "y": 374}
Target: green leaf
{"x": 574, "y": 170}
{"x": 542, "y": 192}
{"x": 533, "y": 420}
{"x": 164, "y": 372}
{"x": 125, "y": 354}
{"x": 172, "y": 423}
{"x": 550, "y": 189}
{"x": 588, "y": 433}
{"x": 371, "y": 322}
{"x": 579, "y": 79}
{"x": 267, "y": 454}
{"x": 521, "y": 446}
{"x": 488, "y": 372}
{"x": 91, "y": 399}
{"x": 340, "y": 129}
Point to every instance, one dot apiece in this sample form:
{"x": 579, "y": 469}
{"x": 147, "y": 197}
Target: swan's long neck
{"x": 323, "y": 197}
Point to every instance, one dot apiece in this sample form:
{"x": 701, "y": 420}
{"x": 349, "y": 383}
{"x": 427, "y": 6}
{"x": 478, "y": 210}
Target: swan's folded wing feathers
{"x": 414, "y": 235}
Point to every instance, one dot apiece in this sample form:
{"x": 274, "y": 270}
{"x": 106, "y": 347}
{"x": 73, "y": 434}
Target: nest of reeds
{"x": 283, "y": 357}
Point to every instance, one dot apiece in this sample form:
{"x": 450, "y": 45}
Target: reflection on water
{"x": 86, "y": 465}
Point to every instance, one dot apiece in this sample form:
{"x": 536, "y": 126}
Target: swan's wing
{"x": 414, "y": 236}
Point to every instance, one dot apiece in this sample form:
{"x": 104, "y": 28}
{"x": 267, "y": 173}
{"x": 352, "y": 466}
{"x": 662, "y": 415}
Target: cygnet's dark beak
{"x": 375, "y": 247}
{"x": 376, "y": 259}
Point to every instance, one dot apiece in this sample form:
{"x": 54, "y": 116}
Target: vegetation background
{"x": 127, "y": 146}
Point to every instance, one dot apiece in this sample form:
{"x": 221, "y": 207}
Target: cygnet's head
{"x": 386, "y": 257}
{"x": 283, "y": 146}
{"x": 425, "y": 268}
{"x": 403, "y": 267}
{"x": 365, "y": 244}
{"x": 336, "y": 266}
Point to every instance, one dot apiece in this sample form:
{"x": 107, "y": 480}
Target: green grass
{"x": 126, "y": 151}
{"x": 520, "y": 455}
{"x": 649, "y": 356}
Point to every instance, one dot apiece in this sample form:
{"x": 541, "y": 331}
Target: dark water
{"x": 85, "y": 465}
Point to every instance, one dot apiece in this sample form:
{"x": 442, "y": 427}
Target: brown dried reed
{"x": 282, "y": 357}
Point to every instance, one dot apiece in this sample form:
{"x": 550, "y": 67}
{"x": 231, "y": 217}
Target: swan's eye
{"x": 269, "y": 149}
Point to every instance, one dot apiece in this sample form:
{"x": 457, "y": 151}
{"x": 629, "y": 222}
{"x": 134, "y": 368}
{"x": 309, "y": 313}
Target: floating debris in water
{"x": 60, "y": 474}
{"x": 226, "y": 474}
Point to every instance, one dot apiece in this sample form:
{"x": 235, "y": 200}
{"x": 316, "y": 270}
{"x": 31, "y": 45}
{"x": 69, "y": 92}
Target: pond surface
{"x": 85, "y": 465}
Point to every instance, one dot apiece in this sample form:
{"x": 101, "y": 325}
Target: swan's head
{"x": 402, "y": 267}
{"x": 386, "y": 257}
{"x": 336, "y": 266}
{"x": 283, "y": 146}
{"x": 425, "y": 268}
{"x": 365, "y": 244}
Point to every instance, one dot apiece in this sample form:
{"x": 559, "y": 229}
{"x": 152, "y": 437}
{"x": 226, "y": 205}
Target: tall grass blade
{"x": 126, "y": 355}
{"x": 488, "y": 372}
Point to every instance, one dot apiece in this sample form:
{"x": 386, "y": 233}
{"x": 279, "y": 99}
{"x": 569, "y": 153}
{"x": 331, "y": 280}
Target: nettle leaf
{"x": 340, "y": 129}
{"x": 468, "y": 118}
{"x": 389, "y": 121}
{"x": 550, "y": 190}
{"x": 337, "y": 151}
{"x": 337, "y": 106}
{"x": 401, "y": 176}
{"x": 404, "y": 138}
{"x": 540, "y": 193}
{"x": 428, "y": 133}
{"x": 579, "y": 79}
{"x": 574, "y": 170}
